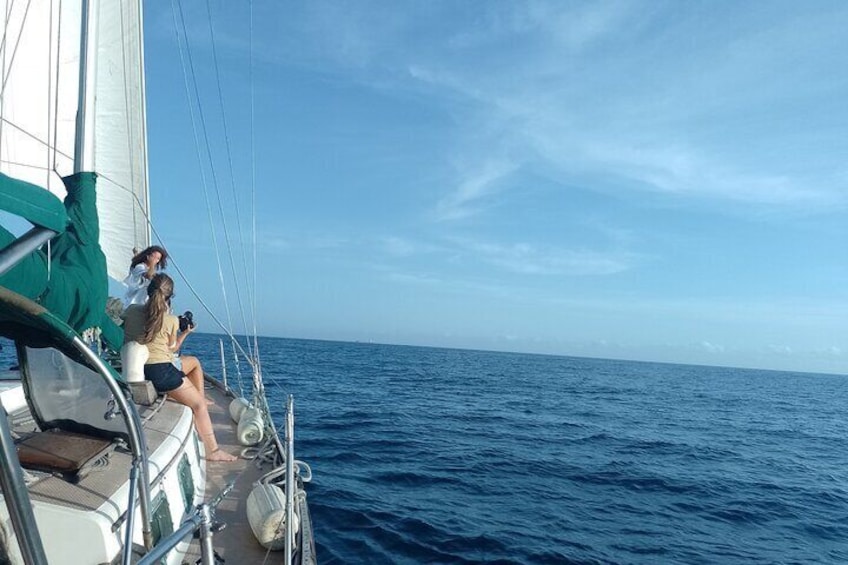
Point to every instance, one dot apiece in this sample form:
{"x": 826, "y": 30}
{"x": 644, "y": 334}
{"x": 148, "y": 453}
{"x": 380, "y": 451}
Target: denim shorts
{"x": 164, "y": 376}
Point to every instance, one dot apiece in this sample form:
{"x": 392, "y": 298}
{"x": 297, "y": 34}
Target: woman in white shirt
{"x": 142, "y": 268}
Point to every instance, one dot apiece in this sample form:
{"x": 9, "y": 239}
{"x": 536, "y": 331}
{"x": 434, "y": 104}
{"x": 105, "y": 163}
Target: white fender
{"x": 251, "y": 427}
{"x": 266, "y": 514}
{"x": 237, "y": 408}
{"x": 133, "y": 357}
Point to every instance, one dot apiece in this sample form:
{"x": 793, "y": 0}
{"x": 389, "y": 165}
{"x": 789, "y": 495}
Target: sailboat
{"x": 93, "y": 468}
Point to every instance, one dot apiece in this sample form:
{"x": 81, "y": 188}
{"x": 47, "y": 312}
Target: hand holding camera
{"x": 186, "y": 321}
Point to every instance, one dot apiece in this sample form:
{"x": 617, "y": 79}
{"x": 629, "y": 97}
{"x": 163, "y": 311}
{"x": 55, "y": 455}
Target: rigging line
{"x": 232, "y": 179}
{"x": 202, "y": 303}
{"x": 27, "y": 165}
{"x": 239, "y": 379}
{"x": 15, "y": 51}
{"x": 185, "y": 279}
{"x": 35, "y": 137}
{"x": 9, "y": 8}
{"x": 50, "y": 84}
{"x": 232, "y": 176}
{"x": 99, "y": 176}
{"x": 183, "y": 276}
{"x": 6, "y": 15}
{"x": 205, "y": 132}
{"x": 253, "y": 180}
{"x": 191, "y": 288}
{"x": 56, "y": 98}
{"x": 187, "y": 55}
{"x": 199, "y": 156}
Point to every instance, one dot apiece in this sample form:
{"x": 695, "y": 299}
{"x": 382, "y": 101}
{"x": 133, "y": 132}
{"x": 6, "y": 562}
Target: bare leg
{"x": 194, "y": 371}
{"x": 188, "y": 395}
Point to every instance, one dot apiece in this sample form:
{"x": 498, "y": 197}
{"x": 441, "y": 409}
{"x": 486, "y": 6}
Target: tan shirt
{"x": 159, "y": 347}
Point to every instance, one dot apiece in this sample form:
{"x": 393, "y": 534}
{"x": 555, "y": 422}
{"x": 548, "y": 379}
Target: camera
{"x": 186, "y": 320}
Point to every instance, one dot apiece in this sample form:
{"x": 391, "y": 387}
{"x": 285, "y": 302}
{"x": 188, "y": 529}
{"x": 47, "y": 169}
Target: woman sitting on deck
{"x": 153, "y": 325}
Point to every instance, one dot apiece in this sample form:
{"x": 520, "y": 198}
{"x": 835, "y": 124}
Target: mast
{"x": 140, "y": 8}
{"x": 84, "y": 161}
{"x": 84, "y": 138}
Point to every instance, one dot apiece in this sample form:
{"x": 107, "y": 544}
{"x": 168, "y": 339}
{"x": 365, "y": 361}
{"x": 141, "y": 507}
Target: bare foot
{"x": 219, "y": 455}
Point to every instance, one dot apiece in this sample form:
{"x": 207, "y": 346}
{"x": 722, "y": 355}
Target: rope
{"x": 182, "y": 274}
{"x": 6, "y": 16}
{"x": 15, "y": 51}
{"x": 56, "y": 98}
{"x": 57, "y": 153}
{"x": 50, "y": 86}
{"x": 215, "y": 183}
{"x": 238, "y": 373}
{"x": 203, "y": 304}
{"x": 6, "y": 73}
{"x": 183, "y": 56}
{"x": 232, "y": 180}
{"x": 253, "y": 183}
{"x": 28, "y": 165}
{"x": 35, "y": 137}
{"x": 9, "y": 7}
{"x": 255, "y": 246}
{"x": 197, "y": 147}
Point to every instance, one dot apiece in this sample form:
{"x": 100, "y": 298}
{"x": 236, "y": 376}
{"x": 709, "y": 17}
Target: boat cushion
{"x": 57, "y": 451}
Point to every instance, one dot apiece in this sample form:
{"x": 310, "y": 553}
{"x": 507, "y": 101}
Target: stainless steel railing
{"x": 291, "y": 484}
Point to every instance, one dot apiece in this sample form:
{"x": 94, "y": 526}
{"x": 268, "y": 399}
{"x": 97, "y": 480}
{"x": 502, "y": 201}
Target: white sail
{"x": 120, "y": 139}
{"x": 39, "y": 61}
{"x": 38, "y": 101}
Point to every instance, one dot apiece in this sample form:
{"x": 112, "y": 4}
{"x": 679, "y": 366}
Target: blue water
{"x": 425, "y": 455}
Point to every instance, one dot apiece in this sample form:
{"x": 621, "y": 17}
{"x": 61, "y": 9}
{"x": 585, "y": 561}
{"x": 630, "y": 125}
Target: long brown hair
{"x": 141, "y": 257}
{"x": 159, "y": 292}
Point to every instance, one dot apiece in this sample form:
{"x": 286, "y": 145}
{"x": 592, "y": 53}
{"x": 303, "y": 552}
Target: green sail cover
{"x": 77, "y": 287}
{"x": 43, "y": 209}
{"x": 32, "y": 203}
{"x": 29, "y": 276}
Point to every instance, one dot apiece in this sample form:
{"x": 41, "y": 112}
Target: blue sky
{"x": 645, "y": 180}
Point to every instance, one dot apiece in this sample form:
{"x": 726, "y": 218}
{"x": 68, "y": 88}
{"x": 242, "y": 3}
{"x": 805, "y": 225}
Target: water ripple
{"x": 425, "y": 455}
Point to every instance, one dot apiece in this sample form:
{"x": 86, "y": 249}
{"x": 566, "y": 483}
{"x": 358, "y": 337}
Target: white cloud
{"x": 467, "y": 199}
{"x": 780, "y": 349}
{"x": 647, "y": 122}
{"x": 304, "y": 241}
{"x": 683, "y": 171}
{"x": 834, "y": 351}
{"x": 533, "y": 260}
{"x": 569, "y": 25}
{"x": 712, "y": 347}
{"x": 398, "y": 246}
{"x": 617, "y": 89}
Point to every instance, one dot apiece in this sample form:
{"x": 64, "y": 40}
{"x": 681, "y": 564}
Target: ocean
{"x": 426, "y": 455}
